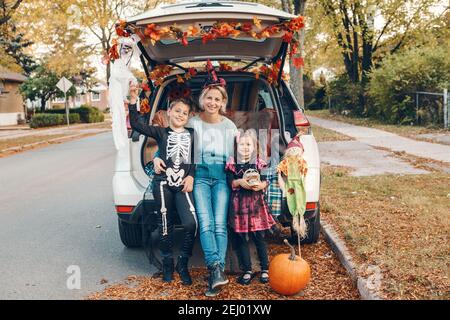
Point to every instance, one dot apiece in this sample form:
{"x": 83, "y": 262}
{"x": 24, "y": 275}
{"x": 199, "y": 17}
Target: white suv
{"x": 254, "y": 102}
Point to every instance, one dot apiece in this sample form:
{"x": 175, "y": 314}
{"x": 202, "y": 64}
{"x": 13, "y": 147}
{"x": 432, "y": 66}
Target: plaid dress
{"x": 248, "y": 210}
{"x": 274, "y": 194}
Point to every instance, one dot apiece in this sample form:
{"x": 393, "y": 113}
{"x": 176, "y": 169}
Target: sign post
{"x": 64, "y": 85}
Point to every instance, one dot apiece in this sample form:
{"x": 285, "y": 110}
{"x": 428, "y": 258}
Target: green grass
{"x": 322, "y": 134}
{"x": 400, "y": 223}
{"x": 17, "y": 142}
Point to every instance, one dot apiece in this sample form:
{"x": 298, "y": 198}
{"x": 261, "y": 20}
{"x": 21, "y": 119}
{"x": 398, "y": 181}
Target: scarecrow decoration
{"x": 291, "y": 174}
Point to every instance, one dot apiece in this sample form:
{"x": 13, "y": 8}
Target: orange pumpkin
{"x": 289, "y": 273}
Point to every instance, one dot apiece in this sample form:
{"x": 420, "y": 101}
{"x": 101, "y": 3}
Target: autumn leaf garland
{"x": 253, "y": 29}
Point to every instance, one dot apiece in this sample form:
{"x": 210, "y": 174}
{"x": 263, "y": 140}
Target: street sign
{"x": 64, "y": 84}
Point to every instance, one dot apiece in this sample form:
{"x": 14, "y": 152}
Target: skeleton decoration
{"x": 119, "y": 83}
{"x": 178, "y": 146}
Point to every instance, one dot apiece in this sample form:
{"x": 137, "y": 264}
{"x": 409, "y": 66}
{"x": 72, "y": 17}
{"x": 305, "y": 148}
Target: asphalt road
{"x": 58, "y": 211}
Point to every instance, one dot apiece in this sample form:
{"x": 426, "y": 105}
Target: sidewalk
{"x": 380, "y": 138}
{"x": 24, "y": 131}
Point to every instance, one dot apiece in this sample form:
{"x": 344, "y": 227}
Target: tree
{"x": 296, "y": 75}
{"x": 42, "y": 85}
{"x": 100, "y": 17}
{"x": 12, "y": 42}
{"x": 7, "y": 9}
{"x": 58, "y": 36}
{"x": 352, "y": 23}
{"x": 393, "y": 84}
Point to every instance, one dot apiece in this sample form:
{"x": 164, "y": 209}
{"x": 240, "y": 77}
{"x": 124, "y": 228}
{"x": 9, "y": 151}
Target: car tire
{"x": 130, "y": 234}
{"x": 313, "y": 230}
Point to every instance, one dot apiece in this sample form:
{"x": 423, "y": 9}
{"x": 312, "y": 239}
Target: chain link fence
{"x": 432, "y": 108}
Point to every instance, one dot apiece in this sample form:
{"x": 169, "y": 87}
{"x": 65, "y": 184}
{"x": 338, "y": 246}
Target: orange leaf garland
{"x": 246, "y": 27}
{"x": 257, "y": 22}
{"x": 152, "y": 32}
{"x": 144, "y": 106}
{"x": 192, "y": 31}
{"x": 113, "y": 51}
{"x": 298, "y": 62}
{"x": 180, "y": 79}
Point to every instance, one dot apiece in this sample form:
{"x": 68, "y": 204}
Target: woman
{"x": 214, "y": 136}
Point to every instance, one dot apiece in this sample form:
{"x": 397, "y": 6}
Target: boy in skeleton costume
{"x": 172, "y": 188}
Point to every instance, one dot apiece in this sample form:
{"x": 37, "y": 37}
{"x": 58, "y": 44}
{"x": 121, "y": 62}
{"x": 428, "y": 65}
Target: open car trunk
{"x": 251, "y": 105}
{"x": 203, "y": 16}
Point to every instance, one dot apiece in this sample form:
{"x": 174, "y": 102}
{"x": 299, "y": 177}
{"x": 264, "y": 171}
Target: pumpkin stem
{"x": 292, "y": 256}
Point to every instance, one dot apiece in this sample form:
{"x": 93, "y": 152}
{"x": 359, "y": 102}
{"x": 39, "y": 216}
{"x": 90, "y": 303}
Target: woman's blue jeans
{"x": 211, "y": 204}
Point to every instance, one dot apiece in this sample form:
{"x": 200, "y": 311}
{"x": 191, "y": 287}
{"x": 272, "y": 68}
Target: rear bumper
{"x": 133, "y": 216}
{"x": 285, "y": 217}
{"x": 127, "y": 192}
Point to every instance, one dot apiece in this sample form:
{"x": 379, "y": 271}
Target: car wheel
{"x": 313, "y": 230}
{"x": 130, "y": 234}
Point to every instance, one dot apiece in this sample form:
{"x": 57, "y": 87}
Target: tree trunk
{"x": 43, "y": 101}
{"x": 296, "y": 75}
{"x": 286, "y": 5}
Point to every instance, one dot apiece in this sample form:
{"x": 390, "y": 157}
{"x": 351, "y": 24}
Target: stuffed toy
{"x": 291, "y": 175}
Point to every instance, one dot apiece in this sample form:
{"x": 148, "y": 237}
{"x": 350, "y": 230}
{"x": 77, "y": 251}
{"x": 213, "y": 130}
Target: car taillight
{"x": 301, "y": 122}
{"x": 311, "y": 205}
{"x": 124, "y": 209}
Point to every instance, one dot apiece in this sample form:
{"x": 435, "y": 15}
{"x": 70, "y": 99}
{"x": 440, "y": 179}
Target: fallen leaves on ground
{"x": 329, "y": 280}
{"x": 400, "y": 223}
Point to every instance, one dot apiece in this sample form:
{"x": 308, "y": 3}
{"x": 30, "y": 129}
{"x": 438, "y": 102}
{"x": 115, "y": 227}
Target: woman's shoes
{"x": 217, "y": 277}
{"x": 264, "y": 277}
{"x": 246, "y": 278}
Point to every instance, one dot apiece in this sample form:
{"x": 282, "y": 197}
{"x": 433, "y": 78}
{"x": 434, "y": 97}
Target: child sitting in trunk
{"x": 249, "y": 215}
{"x": 172, "y": 189}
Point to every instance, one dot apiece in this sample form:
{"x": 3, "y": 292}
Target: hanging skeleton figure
{"x": 292, "y": 171}
{"x": 119, "y": 83}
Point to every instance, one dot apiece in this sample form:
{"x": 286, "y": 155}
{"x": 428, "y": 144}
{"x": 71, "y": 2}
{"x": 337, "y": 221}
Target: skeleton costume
{"x": 175, "y": 148}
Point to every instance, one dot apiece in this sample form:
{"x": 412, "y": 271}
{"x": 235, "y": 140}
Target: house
{"x": 96, "y": 97}
{"x": 11, "y": 102}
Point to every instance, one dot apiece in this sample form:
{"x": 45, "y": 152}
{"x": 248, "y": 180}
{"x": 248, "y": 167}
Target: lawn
{"x": 400, "y": 223}
{"x": 17, "y": 142}
{"x": 322, "y": 134}
{"x": 406, "y": 131}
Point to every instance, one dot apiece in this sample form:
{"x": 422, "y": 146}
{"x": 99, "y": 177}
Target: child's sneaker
{"x": 246, "y": 278}
{"x": 264, "y": 277}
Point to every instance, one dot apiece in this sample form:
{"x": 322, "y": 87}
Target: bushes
{"x": 346, "y": 96}
{"x": 393, "y": 84}
{"x": 73, "y": 118}
{"x": 319, "y": 101}
{"x": 90, "y": 114}
{"x": 46, "y": 120}
{"x": 85, "y": 114}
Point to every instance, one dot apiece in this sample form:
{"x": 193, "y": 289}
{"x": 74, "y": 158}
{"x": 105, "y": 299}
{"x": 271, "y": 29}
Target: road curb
{"x": 368, "y": 287}
{"x": 60, "y": 139}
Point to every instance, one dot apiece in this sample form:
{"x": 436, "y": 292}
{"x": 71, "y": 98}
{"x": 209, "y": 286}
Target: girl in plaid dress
{"x": 249, "y": 215}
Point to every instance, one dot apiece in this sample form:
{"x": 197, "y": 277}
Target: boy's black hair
{"x": 185, "y": 101}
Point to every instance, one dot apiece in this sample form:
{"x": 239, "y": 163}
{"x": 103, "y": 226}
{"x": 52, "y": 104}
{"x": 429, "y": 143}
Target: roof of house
{"x": 12, "y": 76}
